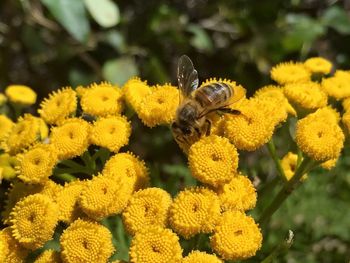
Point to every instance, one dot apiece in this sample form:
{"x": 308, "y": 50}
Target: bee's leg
{"x": 229, "y": 111}
{"x": 208, "y": 122}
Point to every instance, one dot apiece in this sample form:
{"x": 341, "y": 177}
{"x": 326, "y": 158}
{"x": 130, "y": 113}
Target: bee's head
{"x": 180, "y": 127}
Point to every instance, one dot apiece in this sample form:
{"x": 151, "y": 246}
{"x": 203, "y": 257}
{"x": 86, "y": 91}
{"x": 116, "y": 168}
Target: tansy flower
{"x": 236, "y": 236}
{"x": 275, "y": 92}
{"x": 51, "y": 189}
{"x": 320, "y": 139}
{"x": 273, "y": 108}
{"x": 337, "y": 86}
{"x": 328, "y": 114}
{"x": 34, "y": 219}
{"x": 17, "y": 191}
{"x": 3, "y": 99}
{"x": 102, "y": 99}
{"x": 85, "y": 241}
{"x": 112, "y": 132}
{"x": 36, "y": 165}
{"x": 213, "y": 160}
{"x": 201, "y": 257}
{"x": 217, "y": 124}
{"x": 127, "y": 168}
{"x": 8, "y": 164}
{"x": 308, "y": 95}
{"x": 48, "y": 256}
{"x": 238, "y": 194}
{"x": 239, "y": 92}
{"x": 5, "y": 126}
{"x": 155, "y": 244}
{"x": 290, "y": 72}
{"x": 60, "y": 105}
{"x": 251, "y": 129}
{"x": 159, "y": 106}
{"x": 146, "y": 208}
{"x": 11, "y": 250}
{"x": 71, "y": 138}
{"x": 25, "y": 133}
{"x": 328, "y": 165}
{"x": 21, "y": 94}
{"x": 67, "y": 200}
{"x": 346, "y": 121}
{"x": 103, "y": 196}
{"x": 289, "y": 165}
{"x": 194, "y": 210}
{"x": 80, "y": 90}
{"x": 135, "y": 90}
{"x": 318, "y": 65}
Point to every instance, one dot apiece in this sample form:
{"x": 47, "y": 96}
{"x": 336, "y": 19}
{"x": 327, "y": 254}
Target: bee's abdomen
{"x": 214, "y": 94}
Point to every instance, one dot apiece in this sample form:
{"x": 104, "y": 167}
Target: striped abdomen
{"x": 214, "y": 95}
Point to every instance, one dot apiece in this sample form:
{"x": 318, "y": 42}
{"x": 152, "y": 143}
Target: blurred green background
{"x": 48, "y": 44}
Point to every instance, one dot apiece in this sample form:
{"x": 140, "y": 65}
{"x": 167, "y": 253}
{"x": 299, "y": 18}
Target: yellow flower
{"x": 319, "y": 137}
{"x": 102, "y": 100}
{"x": 239, "y": 92}
{"x": 238, "y": 194}
{"x": 21, "y": 94}
{"x": 194, "y": 210}
{"x": 273, "y": 108}
{"x": 337, "y": 86}
{"x": 67, "y": 200}
{"x": 8, "y": 164}
{"x": 159, "y": 107}
{"x": 135, "y": 91}
{"x": 103, "y": 196}
{"x": 289, "y": 165}
{"x": 328, "y": 165}
{"x": 5, "y": 126}
{"x": 308, "y": 95}
{"x": 147, "y": 208}
{"x": 236, "y": 236}
{"x": 85, "y": 241}
{"x": 128, "y": 168}
{"x": 346, "y": 104}
{"x": 60, "y": 105}
{"x": 251, "y": 129}
{"x": 3, "y": 99}
{"x": 318, "y": 65}
{"x": 80, "y": 90}
{"x": 112, "y": 132}
{"x": 34, "y": 219}
{"x": 155, "y": 244}
{"x": 51, "y": 189}
{"x": 346, "y": 120}
{"x": 36, "y": 165}
{"x": 213, "y": 160}
{"x": 49, "y": 256}
{"x": 17, "y": 191}
{"x": 12, "y": 251}
{"x": 327, "y": 113}
{"x": 201, "y": 257}
{"x": 275, "y": 92}
{"x": 71, "y": 138}
{"x": 290, "y": 72}
{"x": 24, "y": 133}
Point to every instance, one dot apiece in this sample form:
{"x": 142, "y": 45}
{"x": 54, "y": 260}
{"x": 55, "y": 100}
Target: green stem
{"x": 65, "y": 177}
{"x": 306, "y": 165}
{"x": 272, "y": 151}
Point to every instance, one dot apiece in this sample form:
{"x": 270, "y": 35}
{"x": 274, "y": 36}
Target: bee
{"x": 191, "y": 121}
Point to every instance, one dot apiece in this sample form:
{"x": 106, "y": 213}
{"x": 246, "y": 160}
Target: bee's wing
{"x": 187, "y": 76}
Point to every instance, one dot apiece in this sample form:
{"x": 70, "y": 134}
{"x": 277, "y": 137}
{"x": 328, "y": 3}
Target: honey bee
{"x": 191, "y": 121}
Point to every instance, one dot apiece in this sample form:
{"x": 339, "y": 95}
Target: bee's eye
{"x": 186, "y": 131}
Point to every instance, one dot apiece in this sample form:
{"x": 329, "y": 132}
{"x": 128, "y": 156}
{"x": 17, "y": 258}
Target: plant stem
{"x": 272, "y": 151}
{"x": 65, "y": 177}
{"x": 286, "y": 190}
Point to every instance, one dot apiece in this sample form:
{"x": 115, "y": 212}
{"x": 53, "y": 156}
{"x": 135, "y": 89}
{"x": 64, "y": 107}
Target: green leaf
{"x": 72, "y": 15}
{"x": 337, "y": 18}
{"x": 105, "y": 12}
{"x": 120, "y": 70}
{"x": 200, "y": 39}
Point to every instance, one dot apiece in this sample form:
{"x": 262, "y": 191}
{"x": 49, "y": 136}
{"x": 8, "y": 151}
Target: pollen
{"x": 102, "y": 100}
{"x": 155, "y": 244}
{"x": 60, "y": 105}
{"x": 236, "y": 236}
{"x": 111, "y": 132}
{"x": 213, "y": 160}
{"x": 146, "y": 208}
{"x": 86, "y": 241}
{"x": 193, "y": 211}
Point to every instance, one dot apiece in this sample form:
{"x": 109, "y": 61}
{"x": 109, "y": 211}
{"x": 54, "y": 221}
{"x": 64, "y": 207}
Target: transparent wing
{"x": 187, "y": 76}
